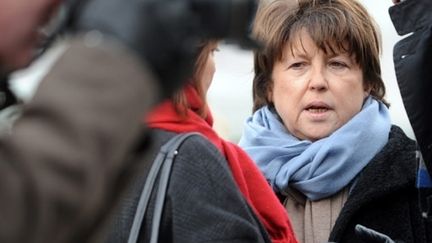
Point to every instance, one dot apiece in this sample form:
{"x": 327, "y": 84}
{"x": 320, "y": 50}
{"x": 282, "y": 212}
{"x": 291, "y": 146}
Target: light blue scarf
{"x": 317, "y": 169}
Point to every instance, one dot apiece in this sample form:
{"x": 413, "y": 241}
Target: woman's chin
{"x": 316, "y": 133}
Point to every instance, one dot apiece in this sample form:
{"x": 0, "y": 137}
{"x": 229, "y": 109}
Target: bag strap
{"x": 164, "y": 159}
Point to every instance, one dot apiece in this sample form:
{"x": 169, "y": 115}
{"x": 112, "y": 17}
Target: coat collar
{"x": 411, "y": 15}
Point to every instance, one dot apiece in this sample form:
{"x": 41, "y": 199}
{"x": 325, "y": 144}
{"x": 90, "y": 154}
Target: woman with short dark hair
{"x": 321, "y": 131}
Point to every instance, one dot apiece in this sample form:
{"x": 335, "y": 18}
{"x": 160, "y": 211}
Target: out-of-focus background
{"x": 230, "y": 96}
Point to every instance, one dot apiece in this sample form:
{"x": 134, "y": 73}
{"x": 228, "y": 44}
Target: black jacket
{"x": 413, "y": 64}
{"x": 384, "y": 197}
{"x": 203, "y": 203}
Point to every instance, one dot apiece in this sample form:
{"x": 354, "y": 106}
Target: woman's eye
{"x": 297, "y": 65}
{"x": 338, "y": 65}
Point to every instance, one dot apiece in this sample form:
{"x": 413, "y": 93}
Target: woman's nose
{"x": 318, "y": 79}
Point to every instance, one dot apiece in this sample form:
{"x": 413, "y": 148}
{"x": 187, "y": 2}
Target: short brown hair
{"x": 179, "y": 98}
{"x": 334, "y": 26}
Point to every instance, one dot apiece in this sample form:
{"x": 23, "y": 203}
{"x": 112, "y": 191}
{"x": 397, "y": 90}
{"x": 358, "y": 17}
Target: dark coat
{"x": 384, "y": 197}
{"x": 203, "y": 203}
{"x": 413, "y": 65}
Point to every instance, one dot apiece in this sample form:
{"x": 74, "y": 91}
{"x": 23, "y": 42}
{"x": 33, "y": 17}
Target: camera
{"x": 217, "y": 19}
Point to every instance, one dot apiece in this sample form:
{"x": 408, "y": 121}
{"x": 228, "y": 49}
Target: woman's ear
{"x": 270, "y": 92}
{"x": 366, "y": 93}
{"x": 269, "y": 95}
{"x": 367, "y": 90}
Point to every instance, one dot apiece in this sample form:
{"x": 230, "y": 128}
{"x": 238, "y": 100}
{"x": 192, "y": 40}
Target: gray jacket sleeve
{"x": 202, "y": 204}
{"x": 67, "y": 151}
{"x": 205, "y": 202}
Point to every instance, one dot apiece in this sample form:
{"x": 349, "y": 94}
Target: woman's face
{"x": 316, "y": 93}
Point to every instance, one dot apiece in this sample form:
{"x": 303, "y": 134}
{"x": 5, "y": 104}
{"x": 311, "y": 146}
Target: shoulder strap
{"x": 164, "y": 160}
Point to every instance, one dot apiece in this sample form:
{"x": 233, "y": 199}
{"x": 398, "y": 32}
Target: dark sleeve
{"x": 203, "y": 203}
{"x": 413, "y": 65}
{"x": 429, "y": 230}
{"x": 66, "y": 153}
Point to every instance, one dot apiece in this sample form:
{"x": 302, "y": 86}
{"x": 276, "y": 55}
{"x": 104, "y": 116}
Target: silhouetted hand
{"x": 371, "y": 236}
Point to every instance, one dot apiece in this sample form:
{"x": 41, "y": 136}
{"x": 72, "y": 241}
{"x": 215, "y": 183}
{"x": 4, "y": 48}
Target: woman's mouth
{"x": 317, "y": 111}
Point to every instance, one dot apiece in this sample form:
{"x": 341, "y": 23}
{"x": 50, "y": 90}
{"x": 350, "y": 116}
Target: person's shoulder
{"x": 160, "y": 137}
{"x": 196, "y": 145}
{"x": 400, "y": 150}
{"x": 199, "y": 146}
{"x": 197, "y": 157}
{"x": 394, "y": 165}
{"x": 398, "y": 139}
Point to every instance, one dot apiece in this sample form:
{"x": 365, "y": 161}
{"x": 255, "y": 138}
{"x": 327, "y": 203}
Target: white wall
{"x": 230, "y": 96}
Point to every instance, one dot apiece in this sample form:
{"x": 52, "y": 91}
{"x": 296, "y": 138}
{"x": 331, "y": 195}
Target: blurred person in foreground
{"x": 228, "y": 199}
{"x": 65, "y": 162}
{"x": 321, "y": 131}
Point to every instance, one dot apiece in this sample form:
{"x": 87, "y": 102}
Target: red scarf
{"x": 249, "y": 179}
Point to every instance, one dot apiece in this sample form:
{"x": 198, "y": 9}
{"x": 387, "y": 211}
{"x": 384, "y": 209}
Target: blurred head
{"x": 319, "y": 61}
{"x": 201, "y": 79}
{"x": 20, "y": 21}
